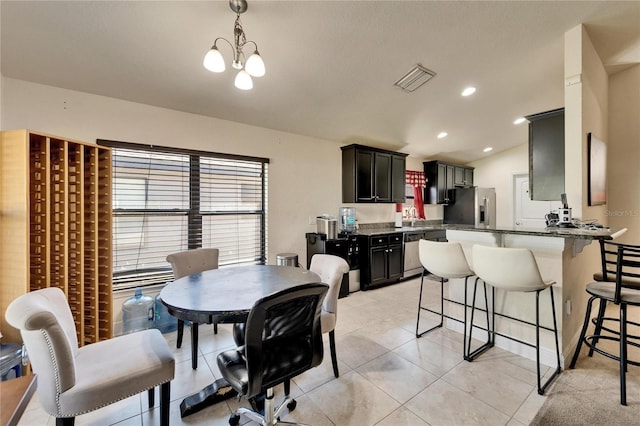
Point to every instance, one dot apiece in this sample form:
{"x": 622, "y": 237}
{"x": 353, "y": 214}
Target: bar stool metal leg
{"x": 623, "y": 353}
{"x": 598, "y": 323}
{"x": 583, "y": 333}
{"x": 470, "y": 356}
{"x": 543, "y": 388}
{"x": 420, "y": 307}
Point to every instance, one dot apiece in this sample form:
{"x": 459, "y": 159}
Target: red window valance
{"x": 415, "y": 178}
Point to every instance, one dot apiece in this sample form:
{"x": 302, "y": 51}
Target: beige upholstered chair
{"x": 186, "y": 263}
{"x": 74, "y": 380}
{"x": 331, "y": 269}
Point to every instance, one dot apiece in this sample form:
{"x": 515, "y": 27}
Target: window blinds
{"x": 169, "y": 200}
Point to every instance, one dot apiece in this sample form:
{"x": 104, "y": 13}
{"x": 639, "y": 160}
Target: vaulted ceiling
{"x": 330, "y": 65}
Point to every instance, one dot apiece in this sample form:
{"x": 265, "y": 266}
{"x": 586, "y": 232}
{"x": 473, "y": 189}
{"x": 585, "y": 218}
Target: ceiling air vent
{"x": 416, "y": 77}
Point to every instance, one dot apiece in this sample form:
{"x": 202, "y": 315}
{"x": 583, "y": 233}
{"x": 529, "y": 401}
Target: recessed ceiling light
{"x": 487, "y": 149}
{"x": 442, "y": 135}
{"x": 469, "y": 91}
{"x": 519, "y": 120}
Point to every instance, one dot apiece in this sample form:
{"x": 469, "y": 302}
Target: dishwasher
{"x": 412, "y": 265}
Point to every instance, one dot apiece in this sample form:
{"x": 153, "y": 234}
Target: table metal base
{"x": 215, "y": 392}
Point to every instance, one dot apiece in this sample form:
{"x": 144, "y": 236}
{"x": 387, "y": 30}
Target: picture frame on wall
{"x": 597, "y": 170}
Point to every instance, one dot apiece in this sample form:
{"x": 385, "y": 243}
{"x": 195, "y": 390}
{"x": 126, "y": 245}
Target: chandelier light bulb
{"x": 244, "y": 81}
{"x": 255, "y": 65}
{"x": 247, "y": 67}
{"x": 213, "y": 60}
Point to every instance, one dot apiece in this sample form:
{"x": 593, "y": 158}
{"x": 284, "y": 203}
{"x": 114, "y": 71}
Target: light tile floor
{"x": 387, "y": 376}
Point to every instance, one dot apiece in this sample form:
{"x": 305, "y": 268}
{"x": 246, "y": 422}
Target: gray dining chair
{"x": 75, "y": 380}
{"x": 186, "y": 263}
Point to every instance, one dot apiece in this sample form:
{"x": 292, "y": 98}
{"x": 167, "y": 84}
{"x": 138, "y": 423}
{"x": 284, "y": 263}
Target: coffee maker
{"x": 564, "y": 213}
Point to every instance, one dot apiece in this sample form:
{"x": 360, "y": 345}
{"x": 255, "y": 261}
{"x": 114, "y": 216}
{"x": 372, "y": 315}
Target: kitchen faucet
{"x": 411, "y": 214}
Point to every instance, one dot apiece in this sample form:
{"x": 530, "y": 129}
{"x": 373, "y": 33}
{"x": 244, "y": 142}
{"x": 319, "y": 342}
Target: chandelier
{"x": 253, "y": 66}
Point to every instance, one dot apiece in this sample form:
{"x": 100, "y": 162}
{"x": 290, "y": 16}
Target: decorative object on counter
{"x": 417, "y": 180}
{"x": 564, "y": 219}
{"x": 398, "y": 222}
{"x": 254, "y": 66}
{"x": 515, "y": 269}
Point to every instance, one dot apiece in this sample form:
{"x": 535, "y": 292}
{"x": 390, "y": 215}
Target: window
{"x": 167, "y": 200}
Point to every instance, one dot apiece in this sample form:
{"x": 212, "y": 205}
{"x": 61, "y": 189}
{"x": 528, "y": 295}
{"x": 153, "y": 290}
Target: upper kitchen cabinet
{"x": 371, "y": 175}
{"x": 442, "y": 178}
{"x": 546, "y": 155}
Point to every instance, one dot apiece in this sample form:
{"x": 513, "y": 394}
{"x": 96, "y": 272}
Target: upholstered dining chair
{"x": 75, "y": 380}
{"x": 186, "y": 263}
{"x": 331, "y": 270}
{"x": 283, "y": 338}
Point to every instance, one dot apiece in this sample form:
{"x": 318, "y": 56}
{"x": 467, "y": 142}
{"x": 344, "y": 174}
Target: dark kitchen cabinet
{"x": 462, "y": 176}
{"x": 371, "y": 175}
{"x": 546, "y": 155}
{"x": 383, "y": 260}
{"x": 442, "y": 178}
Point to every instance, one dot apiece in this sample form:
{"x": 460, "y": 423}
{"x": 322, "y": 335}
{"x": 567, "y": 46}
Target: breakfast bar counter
{"x": 568, "y": 256}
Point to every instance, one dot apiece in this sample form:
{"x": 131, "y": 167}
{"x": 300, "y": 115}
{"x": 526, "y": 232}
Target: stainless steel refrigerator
{"x": 472, "y": 206}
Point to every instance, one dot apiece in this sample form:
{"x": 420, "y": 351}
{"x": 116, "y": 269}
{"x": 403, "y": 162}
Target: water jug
{"x": 165, "y": 322}
{"x": 138, "y": 312}
{"x": 347, "y": 219}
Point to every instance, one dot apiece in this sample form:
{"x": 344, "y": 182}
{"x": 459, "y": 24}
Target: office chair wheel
{"x": 292, "y": 405}
{"x": 234, "y": 419}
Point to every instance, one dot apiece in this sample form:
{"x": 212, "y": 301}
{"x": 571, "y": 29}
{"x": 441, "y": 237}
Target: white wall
{"x": 497, "y": 172}
{"x": 623, "y": 156}
{"x": 304, "y": 173}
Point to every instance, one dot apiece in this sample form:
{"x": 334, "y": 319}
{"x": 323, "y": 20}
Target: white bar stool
{"x": 446, "y": 260}
{"x": 515, "y": 269}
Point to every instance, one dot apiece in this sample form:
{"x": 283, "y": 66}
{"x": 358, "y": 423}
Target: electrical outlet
{"x": 567, "y": 307}
{"x": 312, "y": 220}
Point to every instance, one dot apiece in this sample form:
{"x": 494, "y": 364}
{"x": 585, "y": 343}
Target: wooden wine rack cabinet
{"x": 55, "y": 227}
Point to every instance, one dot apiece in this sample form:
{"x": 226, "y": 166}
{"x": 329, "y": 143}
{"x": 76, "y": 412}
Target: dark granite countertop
{"x": 575, "y": 233}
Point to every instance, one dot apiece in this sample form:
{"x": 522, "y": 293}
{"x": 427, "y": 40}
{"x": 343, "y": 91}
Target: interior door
{"x": 528, "y": 213}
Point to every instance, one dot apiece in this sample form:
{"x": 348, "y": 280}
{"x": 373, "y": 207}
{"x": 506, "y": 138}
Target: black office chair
{"x": 283, "y": 338}
{"x": 625, "y": 292}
